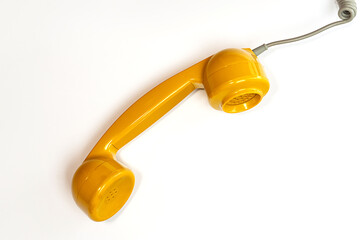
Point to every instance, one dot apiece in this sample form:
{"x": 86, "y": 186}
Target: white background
{"x": 287, "y": 169}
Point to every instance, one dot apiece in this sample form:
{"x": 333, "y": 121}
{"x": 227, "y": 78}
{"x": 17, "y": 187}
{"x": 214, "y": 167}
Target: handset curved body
{"x": 148, "y": 109}
{"x": 234, "y": 81}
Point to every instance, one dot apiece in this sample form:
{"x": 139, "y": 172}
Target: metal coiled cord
{"x": 347, "y": 13}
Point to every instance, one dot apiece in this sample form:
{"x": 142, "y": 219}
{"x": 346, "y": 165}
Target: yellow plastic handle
{"x": 148, "y": 109}
{"x": 101, "y": 185}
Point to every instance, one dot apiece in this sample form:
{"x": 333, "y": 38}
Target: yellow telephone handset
{"x": 234, "y": 81}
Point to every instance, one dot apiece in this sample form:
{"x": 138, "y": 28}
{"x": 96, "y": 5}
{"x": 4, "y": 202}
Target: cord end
{"x": 259, "y": 50}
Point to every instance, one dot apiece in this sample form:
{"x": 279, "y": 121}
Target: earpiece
{"x": 234, "y": 81}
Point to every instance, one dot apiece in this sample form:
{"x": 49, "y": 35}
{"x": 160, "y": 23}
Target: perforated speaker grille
{"x": 241, "y": 99}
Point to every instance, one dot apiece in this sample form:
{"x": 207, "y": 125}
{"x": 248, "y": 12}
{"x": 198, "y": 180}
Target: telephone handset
{"x": 234, "y": 81}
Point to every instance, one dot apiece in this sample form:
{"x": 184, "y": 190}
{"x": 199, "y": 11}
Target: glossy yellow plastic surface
{"x": 234, "y": 81}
